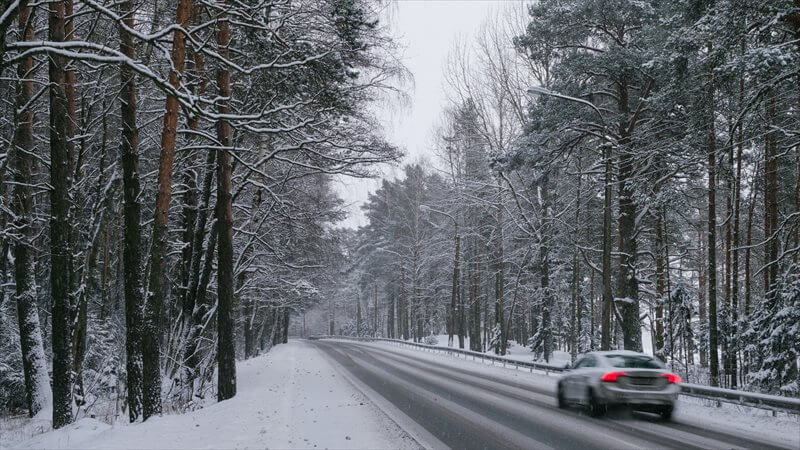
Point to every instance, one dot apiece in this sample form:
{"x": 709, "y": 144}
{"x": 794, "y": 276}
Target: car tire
{"x": 666, "y": 413}
{"x": 562, "y": 401}
{"x": 593, "y": 406}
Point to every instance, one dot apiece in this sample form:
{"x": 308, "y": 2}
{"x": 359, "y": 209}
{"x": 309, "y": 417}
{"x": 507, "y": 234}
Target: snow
{"x": 292, "y": 397}
{"x": 784, "y": 428}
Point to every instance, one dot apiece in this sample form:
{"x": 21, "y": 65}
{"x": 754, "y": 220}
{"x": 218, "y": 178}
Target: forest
{"x": 167, "y": 189}
{"x": 607, "y": 174}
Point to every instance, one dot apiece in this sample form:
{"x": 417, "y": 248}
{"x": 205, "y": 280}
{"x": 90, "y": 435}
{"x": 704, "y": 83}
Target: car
{"x": 599, "y": 380}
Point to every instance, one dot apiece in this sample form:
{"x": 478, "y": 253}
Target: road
{"x": 466, "y": 408}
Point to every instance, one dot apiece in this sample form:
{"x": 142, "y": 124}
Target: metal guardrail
{"x": 456, "y": 351}
{"x": 752, "y": 399}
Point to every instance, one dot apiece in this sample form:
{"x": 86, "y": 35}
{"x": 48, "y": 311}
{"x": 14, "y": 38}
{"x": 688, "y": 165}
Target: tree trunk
{"x": 770, "y": 199}
{"x": 499, "y": 288}
{"x": 359, "y": 320}
{"x": 545, "y": 327}
{"x": 475, "y": 306}
{"x": 748, "y": 277}
{"x": 157, "y": 287}
{"x": 285, "y": 325}
{"x": 660, "y": 288}
{"x": 712, "y": 236}
{"x": 702, "y": 295}
{"x": 627, "y": 284}
{"x": 60, "y": 252}
{"x": 575, "y": 329}
{"x": 133, "y": 291}
{"x": 737, "y": 206}
{"x": 608, "y": 296}
{"x": 226, "y": 356}
{"x": 389, "y": 318}
{"x": 34, "y": 362}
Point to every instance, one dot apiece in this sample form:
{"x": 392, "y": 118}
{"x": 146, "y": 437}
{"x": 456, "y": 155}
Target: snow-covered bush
{"x": 430, "y": 340}
{"x": 12, "y": 382}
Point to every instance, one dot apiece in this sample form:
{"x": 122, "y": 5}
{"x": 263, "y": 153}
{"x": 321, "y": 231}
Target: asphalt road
{"x": 466, "y": 409}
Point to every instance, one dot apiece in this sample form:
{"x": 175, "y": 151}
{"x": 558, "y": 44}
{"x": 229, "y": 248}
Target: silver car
{"x": 602, "y": 379}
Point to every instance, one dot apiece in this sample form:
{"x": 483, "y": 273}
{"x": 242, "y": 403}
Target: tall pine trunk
{"x": 499, "y": 287}
{"x": 661, "y": 287}
{"x": 627, "y": 283}
{"x": 712, "y": 234}
{"x": 60, "y": 227}
{"x": 608, "y": 296}
{"x": 770, "y": 199}
{"x": 157, "y": 283}
{"x": 545, "y": 327}
{"x": 131, "y": 255}
{"x": 226, "y": 357}
{"x": 34, "y": 362}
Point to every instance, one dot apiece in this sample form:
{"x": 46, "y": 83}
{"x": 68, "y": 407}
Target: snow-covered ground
{"x": 735, "y": 419}
{"x": 291, "y": 397}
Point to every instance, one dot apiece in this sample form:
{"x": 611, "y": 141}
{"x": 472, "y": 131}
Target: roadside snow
{"x": 291, "y": 397}
{"x": 783, "y": 428}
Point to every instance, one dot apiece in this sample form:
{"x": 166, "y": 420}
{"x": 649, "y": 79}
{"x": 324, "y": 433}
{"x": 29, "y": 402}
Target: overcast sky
{"x": 427, "y": 30}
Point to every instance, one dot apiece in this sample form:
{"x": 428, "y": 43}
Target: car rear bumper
{"x": 611, "y": 394}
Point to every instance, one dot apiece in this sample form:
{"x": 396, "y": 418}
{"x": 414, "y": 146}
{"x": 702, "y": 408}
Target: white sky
{"x": 427, "y": 30}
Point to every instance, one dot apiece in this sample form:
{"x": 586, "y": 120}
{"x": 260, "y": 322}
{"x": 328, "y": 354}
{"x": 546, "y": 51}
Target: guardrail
{"x": 752, "y": 399}
{"x": 456, "y": 351}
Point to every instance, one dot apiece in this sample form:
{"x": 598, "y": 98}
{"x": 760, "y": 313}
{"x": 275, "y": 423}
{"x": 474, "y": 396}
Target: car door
{"x": 570, "y": 388}
{"x": 582, "y": 378}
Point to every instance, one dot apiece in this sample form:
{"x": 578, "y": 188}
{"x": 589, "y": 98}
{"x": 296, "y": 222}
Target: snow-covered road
{"x": 467, "y": 405}
{"x": 291, "y": 397}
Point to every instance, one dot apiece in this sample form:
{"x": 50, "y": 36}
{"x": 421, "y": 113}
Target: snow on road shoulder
{"x": 291, "y": 397}
{"x": 784, "y": 429}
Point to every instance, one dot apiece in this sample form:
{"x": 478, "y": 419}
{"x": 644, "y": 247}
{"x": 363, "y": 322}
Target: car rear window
{"x": 633, "y": 362}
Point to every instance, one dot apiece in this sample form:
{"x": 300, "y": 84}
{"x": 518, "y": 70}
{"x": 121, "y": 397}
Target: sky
{"x": 427, "y": 29}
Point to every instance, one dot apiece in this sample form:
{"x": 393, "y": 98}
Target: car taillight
{"x": 671, "y": 377}
{"x": 612, "y": 376}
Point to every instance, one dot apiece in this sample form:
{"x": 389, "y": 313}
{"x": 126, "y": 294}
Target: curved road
{"x": 464, "y": 408}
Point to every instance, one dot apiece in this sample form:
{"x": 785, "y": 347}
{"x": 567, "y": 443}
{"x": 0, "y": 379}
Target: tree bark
{"x": 702, "y": 295}
{"x": 660, "y": 288}
{"x": 34, "y": 362}
{"x": 129, "y": 148}
{"x": 712, "y": 235}
{"x": 770, "y": 199}
{"x": 157, "y": 286}
{"x": 60, "y": 227}
{"x": 499, "y": 267}
{"x": 226, "y": 356}
{"x": 576, "y": 307}
{"x": 545, "y": 327}
{"x": 627, "y": 283}
{"x": 608, "y": 296}
{"x": 737, "y": 207}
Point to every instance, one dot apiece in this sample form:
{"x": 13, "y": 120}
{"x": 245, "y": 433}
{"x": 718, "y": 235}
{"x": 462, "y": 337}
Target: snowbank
{"x": 290, "y": 398}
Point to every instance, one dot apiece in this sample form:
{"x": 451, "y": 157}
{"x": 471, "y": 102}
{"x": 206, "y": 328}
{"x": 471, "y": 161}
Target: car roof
{"x": 618, "y": 352}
